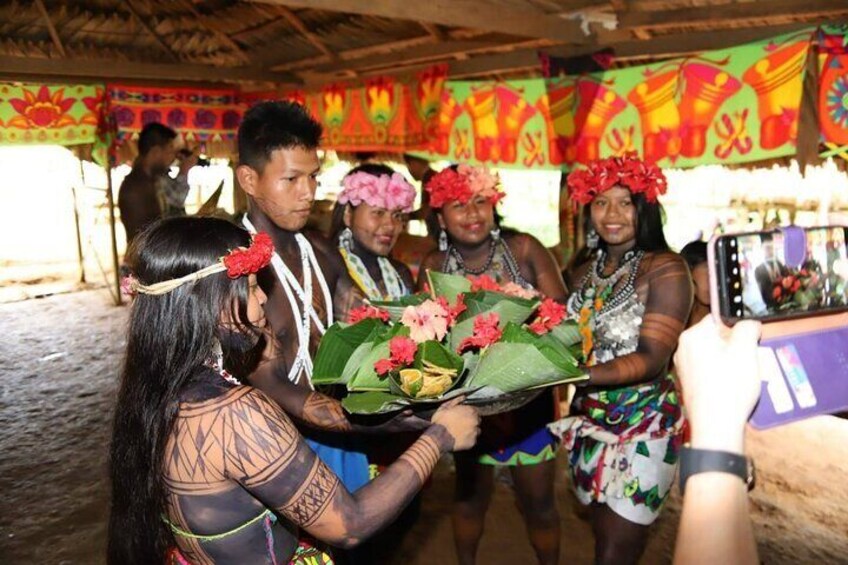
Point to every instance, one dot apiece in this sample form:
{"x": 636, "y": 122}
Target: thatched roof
{"x": 316, "y": 41}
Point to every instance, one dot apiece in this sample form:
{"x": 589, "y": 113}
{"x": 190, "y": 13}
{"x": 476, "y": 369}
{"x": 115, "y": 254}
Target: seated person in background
{"x": 695, "y": 254}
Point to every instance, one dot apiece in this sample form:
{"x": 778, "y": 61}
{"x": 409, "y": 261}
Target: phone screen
{"x": 755, "y": 281}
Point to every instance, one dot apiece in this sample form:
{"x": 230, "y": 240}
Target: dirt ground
{"x": 59, "y": 361}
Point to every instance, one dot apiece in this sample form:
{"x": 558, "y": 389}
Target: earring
{"x": 346, "y": 239}
{"x": 592, "y": 239}
{"x": 443, "y": 241}
{"x": 496, "y": 234}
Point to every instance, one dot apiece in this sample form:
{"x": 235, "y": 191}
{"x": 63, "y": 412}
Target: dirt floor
{"x": 59, "y": 360}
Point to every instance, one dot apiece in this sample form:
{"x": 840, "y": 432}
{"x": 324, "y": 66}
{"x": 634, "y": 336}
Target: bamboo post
{"x": 80, "y": 256}
{"x": 110, "y": 201}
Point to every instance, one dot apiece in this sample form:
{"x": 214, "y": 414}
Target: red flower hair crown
{"x": 629, "y": 171}
{"x": 237, "y": 263}
{"x": 463, "y": 184}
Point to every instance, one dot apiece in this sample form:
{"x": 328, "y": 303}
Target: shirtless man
{"x": 278, "y": 169}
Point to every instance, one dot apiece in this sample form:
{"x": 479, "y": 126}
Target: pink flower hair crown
{"x": 383, "y": 191}
{"x": 463, "y": 184}
{"x": 237, "y": 263}
{"x": 629, "y": 171}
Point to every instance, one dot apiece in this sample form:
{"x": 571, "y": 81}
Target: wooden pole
{"x": 80, "y": 256}
{"x": 110, "y": 201}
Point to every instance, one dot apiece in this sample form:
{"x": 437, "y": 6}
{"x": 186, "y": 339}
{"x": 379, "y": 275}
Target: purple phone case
{"x": 824, "y": 357}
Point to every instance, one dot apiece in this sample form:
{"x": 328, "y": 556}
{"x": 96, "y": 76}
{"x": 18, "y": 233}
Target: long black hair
{"x": 649, "y": 224}
{"x": 170, "y": 338}
{"x": 337, "y": 223}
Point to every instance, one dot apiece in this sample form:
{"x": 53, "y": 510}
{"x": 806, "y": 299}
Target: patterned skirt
{"x": 623, "y": 448}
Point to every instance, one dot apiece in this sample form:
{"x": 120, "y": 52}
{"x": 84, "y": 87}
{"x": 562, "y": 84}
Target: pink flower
{"x": 429, "y": 321}
{"x": 383, "y": 191}
{"x": 486, "y": 332}
{"x": 518, "y": 291}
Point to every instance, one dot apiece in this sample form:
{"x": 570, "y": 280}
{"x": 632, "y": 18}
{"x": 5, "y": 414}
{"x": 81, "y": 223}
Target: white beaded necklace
{"x": 305, "y": 317}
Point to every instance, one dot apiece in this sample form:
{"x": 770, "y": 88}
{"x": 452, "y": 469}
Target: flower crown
{"x": 634, "y": 174}
{"x": 383, "y": 191}
{"x": 463, "y": 184}
{"x": 238, "y": 262}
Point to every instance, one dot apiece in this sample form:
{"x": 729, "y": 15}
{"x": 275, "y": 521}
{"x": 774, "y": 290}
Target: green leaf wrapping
{"x": 509, "y": 310}
{"x": 449, "y": 286}
{"x": 386, "y": 402}
{"x": 337, "y": 348}
{"x": 365, "y": 377}
{"x": 567, "y": 333}
{"x": 523, "y": 360}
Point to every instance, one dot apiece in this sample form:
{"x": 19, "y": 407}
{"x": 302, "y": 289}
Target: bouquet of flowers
{"x": 464, "y": 336}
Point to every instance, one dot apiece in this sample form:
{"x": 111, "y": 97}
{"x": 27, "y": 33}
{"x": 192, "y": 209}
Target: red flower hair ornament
{"x": 629, "y": 171}
{"x": 237, "y": 263}
{"x": 463, "y": 184}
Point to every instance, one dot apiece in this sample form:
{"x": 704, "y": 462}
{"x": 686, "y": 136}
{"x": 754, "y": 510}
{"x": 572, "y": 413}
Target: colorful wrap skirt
{"x": 623, "y": 446}
{"x": 520, "y": 437}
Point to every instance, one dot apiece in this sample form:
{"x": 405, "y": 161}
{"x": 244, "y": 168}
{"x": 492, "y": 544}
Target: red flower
{"x": 628, "y": 171}
{"x": 448, "y": 186}
{"x": 484, "y": 282}
{"x": 245, "y": 261}
{"x": 550, "y": 314}
{"x": 402, "y": 350}
{"x": 455, "y": 310}
{"x": 486, "y": 332}
{"x": 365, "y": 312}
{"x": 383, "y": 366}
{"x": 401, "y": 353}
{"x": 777, "y": 292}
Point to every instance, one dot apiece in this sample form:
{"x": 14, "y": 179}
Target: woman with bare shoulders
{"x": 205, "y": 469}
{"x": 632, "y": 301}
{"x": 472, "y": 244}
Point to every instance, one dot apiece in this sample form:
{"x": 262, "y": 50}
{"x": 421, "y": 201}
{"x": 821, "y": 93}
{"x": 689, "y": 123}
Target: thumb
{"x": 454, "y": 402}
{"x": 745, "y": 335}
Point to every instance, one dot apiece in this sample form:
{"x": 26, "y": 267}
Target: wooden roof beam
{"x": 480, "y": 14}
{"x": 312, "y": 38}
{"x": 737, "y": 12}
{"x": 51, "y": 28}
{"x": 99, "y": 69}
{"x": 213, "y": 26}
{"x": 431, "y": 52}
{"x": 150, "y": 31}
{"x": 358, "y": 53}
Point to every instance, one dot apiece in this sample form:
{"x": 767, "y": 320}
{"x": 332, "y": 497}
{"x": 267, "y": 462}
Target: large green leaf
{"x": 548, "y": 345}
{"x": 525, "y": 361}
{"x": 509, "y": 310}
{"x": 439, "y": 355}
{"x": 483, "y": 301}
{"x": 338, "y": 345}
{"x": 449, "y": 286}
{"x": 365, "y": 377}
{"x": 567, "y": 333}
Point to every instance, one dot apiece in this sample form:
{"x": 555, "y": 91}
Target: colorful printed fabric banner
{"x": 197, "y": 114}
{"x": 39, "y": 114}
{"x": 833, "y": 89}
{"x": 386, "y": 114}
{"x": 728, "y": 106}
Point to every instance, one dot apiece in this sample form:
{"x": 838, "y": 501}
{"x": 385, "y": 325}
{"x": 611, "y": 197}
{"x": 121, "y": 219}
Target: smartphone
{"x": 779, "y": 275}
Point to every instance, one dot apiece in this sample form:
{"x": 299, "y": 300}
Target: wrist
{"x": 441, "y": 436}
{"x": 731, "y": 442}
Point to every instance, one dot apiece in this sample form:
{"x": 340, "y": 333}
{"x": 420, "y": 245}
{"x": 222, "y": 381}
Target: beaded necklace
{"x": 598, "y": 295}
{"x": 454, "y": 257}
{"x": 305, "y": 317}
